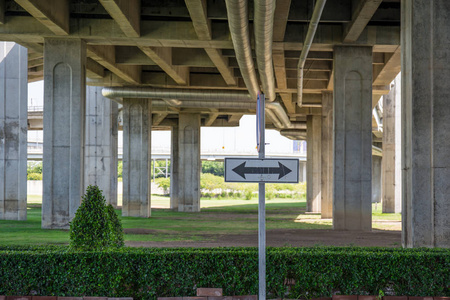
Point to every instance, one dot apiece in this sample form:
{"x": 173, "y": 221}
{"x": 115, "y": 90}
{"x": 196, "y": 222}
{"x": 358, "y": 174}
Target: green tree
{"x": 213, "y": 167}
{"x": 119, "y": 169}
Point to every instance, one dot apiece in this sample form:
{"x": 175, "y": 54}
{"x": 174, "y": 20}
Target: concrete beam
{"x": 222, "y": 65}
{"x": 158, "y": 118}
{"x": 105, "y": 56}
{"x": 54, "y": 14}
{"x": 35, "y": 62}
{"x": 390, "y": 69}
{"x": 211, "y": 118}
{"x": 287, "y": 101}
{"x": 191, "y": 57}
{"x": 362, "y": 14}
{"x": 132, "y": 55}
{"x": 35, "y": 47}
{"x": 234, "y": 118}
{"x": 280, "y": 19}
{"x": 202, "y": 26}
{"x": 157, "y": 33}
{"x": 94, "y": 69}
{"x": 2, "y": 11}
{"x": 200, "y": 21}
{"x": 127, "y": 14}
{"x": 163, "y": 58}
{"x": 280, "y": 68}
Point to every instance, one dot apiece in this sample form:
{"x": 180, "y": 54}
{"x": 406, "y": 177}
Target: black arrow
{"x": 282, "y": 170}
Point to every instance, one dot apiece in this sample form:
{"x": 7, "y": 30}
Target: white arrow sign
{"x": 261, "y": 170}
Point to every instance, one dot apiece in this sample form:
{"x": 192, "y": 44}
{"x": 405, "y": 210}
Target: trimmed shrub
{"x": 147, "y": 273}
{"x": 95, "y": 226}
{"x": 116, "y": 227}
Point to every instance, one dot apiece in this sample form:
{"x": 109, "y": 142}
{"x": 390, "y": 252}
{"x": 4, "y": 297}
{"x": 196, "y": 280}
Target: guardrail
{"x": 35, "y": 108}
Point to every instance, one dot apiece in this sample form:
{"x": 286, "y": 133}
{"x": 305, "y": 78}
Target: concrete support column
{"x": 64, "y": 125}
{"x": 13, "y": 131}
{"x": 189, "y": 162}
{"x": 174, "y": 169}
{"x": 101, "y": 143}
{"x": 390, "y": 204}
{"x": 327, "y": 155}
{"x": 137, "y": 130}
{"x": 314, "y": 163}
{"x": 352, "y": 209}
{"x": 426, "y": 123}
{"x": 398, "y": 144}
{"x": 377, "y": 162}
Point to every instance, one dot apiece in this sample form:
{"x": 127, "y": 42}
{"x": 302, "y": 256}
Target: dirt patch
{"x": 286, "y": 237}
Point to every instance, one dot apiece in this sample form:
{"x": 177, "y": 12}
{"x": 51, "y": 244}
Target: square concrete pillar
{"x": 64, "y": 124}
{"x": 13, "y": 131}
{"x": 377, "y": 162}
{"x": 189, "y": 162}
{"x": 352, "y": 190}
{"x": 314, "y": 163}
{"x": 174, "y": 169}
{"x": 137, "y": 130}
{"x": 327, "y": 155}
{"x": 101, "y": 143}
{"x": 390, "y": 204}
{"x": 426, "y": 123}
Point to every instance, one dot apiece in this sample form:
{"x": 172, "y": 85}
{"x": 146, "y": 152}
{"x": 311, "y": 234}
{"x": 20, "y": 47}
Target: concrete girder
{"x": 390, "y": 69}
{"x": 198, "y": 13}
{"x": 280, "y": 19}
{"x": 210, "y": 119}
{"x": 222, "y": 65}
{"x": 94, "y": 69}
{"x": 163, "y": 58}
{"x": 105, "y": 56}
{"x": 2, "y": 11}
{"x": 54, "y": 14}
{"x": 280, "y": 68}
{"x": 127, "y": 14}
{"x": 157, "y": 33}
{"x": 362, "y": 14}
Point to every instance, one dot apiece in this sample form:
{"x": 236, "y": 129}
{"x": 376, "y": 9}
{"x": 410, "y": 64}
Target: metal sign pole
{"x": 262, "y": 202}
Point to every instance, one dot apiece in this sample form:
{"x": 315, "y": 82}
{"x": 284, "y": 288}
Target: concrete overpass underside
{"x": 181, "y": 65}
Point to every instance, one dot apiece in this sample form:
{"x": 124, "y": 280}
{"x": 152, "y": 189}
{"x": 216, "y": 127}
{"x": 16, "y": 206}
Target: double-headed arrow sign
{"x": 261, "y": 170}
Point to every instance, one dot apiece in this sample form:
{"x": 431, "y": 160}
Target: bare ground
{"x": 284, "y": 237}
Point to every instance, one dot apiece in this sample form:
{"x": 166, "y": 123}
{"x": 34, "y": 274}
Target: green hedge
{"x": 146, "y": 273}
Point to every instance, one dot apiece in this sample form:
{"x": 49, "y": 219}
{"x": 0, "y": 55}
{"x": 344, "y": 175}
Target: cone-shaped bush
{"x": 116, "y": 227}
{"x": 94, "y": 227}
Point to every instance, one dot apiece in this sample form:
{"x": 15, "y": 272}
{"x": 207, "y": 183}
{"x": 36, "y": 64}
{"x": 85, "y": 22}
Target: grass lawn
{"x": 217, "y": 217}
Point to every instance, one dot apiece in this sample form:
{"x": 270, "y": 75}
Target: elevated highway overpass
{"x": 180, "y": 65}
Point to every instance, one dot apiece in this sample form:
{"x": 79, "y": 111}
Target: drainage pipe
{"x": 264, "y": 12}
{"x": 180, "y": 94}
{"x": 203, "y": 99}
{"x": 283, "y": 117}
{"x": 237, "y": 11}
{"x": 317, "y": 13}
